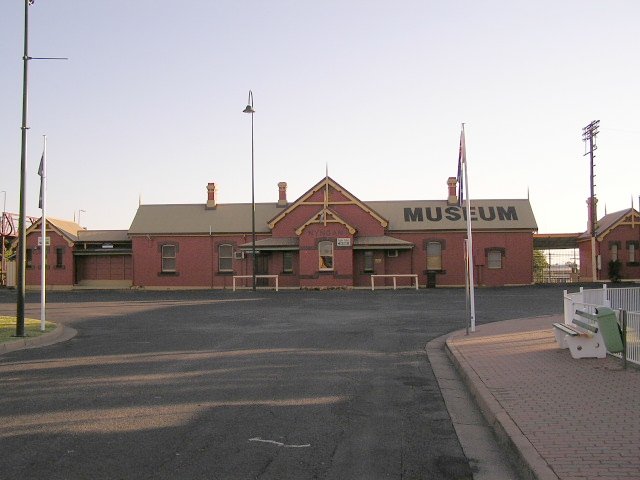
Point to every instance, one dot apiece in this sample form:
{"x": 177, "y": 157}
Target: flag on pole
{"x": 463, "y": 179}
{"x": 41, "y": 173}
{"x": 462, "y": 159}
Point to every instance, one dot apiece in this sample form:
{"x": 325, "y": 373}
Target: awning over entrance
{"x": 382, "y": 242}
{"x": 273, "y": 244}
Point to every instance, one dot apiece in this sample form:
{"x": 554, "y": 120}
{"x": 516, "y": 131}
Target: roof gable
{"x": 341, "y": 196}
{"x": 66, "y": 229}
{"x": 325, "y": 216}
{"x": 610, "y": 221}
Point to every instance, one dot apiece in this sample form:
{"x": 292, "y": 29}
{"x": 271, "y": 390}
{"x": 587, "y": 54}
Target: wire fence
{"x": 556, "y": 266}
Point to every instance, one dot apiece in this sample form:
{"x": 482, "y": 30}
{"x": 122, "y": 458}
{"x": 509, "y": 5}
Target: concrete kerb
{"x": 61, "y": 333}
{"x": 531, "y": 464}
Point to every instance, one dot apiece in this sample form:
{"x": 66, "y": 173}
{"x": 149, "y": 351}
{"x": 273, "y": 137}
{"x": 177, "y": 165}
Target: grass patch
{"x": 31, "y": 328}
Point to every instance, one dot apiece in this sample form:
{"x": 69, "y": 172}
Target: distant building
{"x": 78, "y": 257}
{"x": 327, "y": 238}
{"x": 617, "y": 240}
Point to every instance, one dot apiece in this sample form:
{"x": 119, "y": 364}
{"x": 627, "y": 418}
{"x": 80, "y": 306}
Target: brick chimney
{"x": 452, "y": 183}
{"x": 212, "y": 196}
{"x": 282, "y": 194}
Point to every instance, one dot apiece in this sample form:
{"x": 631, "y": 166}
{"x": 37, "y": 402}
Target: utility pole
{"x": 589, "y": 135}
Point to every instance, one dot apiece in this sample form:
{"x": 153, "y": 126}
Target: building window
{"x": 368, "y": 261}
{"x": 633, "y": 251}
{"x": 168, "y": 258}
{"x": 494, "y": 259}
{"x": 29, "y": 259}
{"x": 325, "y": 252}
{"x": 59, "y": 257}
{"x": 614, "y": 252}
{"x": 225, "y": 258}
{"x": 287, "y": 262}
{"x": 434, "y": 256}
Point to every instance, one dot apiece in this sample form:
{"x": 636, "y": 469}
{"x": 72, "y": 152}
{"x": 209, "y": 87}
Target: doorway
{"x": 262, "y": 268}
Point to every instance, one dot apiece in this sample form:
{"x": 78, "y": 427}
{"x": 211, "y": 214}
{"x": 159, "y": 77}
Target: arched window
{"x": 325, "y": 252}
{"x": 225, "y": 258}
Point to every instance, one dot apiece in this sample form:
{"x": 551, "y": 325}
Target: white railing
{"x": 411, "y": 275}
{"x": 251, "y": 276}
{"x": 633, "y": 337}
{"x": 618, "y": 299}
{"x": 624, "y": 298}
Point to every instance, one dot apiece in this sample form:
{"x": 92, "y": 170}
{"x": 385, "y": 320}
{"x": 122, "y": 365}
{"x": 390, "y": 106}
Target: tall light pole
{"x": 249, "y": 109}
{"x": 22, "y": 238}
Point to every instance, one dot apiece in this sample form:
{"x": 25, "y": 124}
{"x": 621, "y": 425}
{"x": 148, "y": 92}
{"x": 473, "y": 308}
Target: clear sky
{"x": 150, "y": 103}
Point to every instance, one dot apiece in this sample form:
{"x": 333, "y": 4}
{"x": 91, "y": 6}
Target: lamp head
{"x": 249, "y": 108}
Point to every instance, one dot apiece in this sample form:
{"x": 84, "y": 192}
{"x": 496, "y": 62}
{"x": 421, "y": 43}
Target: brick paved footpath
{"x": 568, "y": 419}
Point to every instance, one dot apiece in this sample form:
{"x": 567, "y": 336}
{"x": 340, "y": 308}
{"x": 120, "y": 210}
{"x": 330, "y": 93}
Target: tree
{"x": 540, "y": 266}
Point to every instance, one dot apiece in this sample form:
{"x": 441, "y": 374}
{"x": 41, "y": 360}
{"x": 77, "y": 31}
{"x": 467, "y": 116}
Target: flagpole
{"x": 471, "y": 276}
{"x": 43, "y": 205}
{"x": 466, "y": 288}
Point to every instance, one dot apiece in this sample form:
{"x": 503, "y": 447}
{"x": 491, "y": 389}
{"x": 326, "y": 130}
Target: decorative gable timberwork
{"x": 330, "y": 196}
{"x": 324, "y": 217}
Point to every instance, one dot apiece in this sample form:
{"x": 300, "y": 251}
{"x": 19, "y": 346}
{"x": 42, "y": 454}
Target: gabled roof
{"x": 607, "y": 223}
{"x": 325, "y": 183}
{"x": 65, "y": 228}
{"x": 197, "y": 219}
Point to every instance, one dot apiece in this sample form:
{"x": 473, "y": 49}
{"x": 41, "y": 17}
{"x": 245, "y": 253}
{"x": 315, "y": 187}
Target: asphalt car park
{"x": 220, "y": 385}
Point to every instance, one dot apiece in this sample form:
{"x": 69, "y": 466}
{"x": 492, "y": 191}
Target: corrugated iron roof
{"x": 411, "y": 215}
{"x": 383, "y": 241}
{"x": 608, "y": 221}
{"x": 438, "y": 215}
{"x": 197, "y": 219}
{"x": 103, "y": 236}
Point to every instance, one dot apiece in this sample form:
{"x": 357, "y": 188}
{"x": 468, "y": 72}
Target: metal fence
{"x": 556, "y": 266}
{"x": 625, "y": 301}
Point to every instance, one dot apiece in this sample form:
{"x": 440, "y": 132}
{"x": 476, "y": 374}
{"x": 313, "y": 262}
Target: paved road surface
{"x": 217, "y": 385}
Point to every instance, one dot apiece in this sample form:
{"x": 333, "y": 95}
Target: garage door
{"x": 104, "y": 267}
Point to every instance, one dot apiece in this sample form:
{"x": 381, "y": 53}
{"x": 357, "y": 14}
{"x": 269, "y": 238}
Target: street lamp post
{"x": 22, "y": 238}
{"x": 249, "y": 109}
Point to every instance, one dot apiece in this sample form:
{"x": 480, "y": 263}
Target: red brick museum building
{"x": 327, "y": 238}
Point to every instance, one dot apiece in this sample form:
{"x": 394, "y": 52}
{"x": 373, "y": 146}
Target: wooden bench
{"x": 582, "y": 337}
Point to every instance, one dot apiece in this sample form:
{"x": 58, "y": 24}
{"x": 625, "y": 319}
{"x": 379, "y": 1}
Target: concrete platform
{"x": 561, "y": 418}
